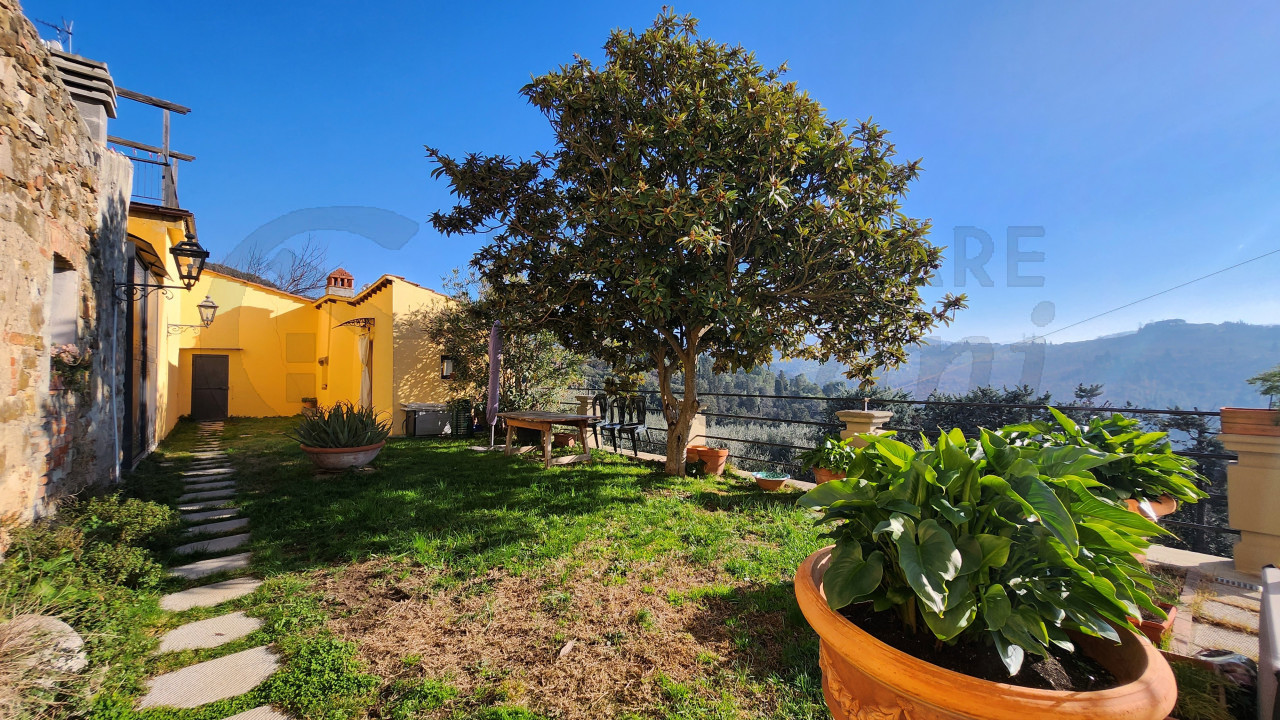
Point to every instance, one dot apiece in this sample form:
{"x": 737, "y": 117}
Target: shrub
{"x": 830, "y": 454}
{"x": 981, "y": 540}
{"x": 342, "y": 425}
{"x": 1144, "y": 467}
{"x": 116, "y": 521}
{"x": 122, "y": 565}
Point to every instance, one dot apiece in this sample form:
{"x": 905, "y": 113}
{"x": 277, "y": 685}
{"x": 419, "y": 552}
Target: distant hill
{"x": 1165, "y": 363}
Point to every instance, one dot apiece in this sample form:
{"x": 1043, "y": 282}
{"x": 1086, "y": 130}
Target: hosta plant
{"x": 342, "y": 425}
{"x": 1145, "y": 469}
{"x": 977, "y": 540}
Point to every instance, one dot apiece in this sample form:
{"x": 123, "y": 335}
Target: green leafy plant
{"x": 1145, "y": 466}
{"x": 831, "y": 454}
{"x": 341, "y": 425}
{"x": 979, "y": 540}
{"x": 1268, "y": 383}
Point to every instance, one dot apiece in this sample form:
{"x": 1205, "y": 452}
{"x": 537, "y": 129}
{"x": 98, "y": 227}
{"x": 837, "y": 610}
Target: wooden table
{"x": 542, "y": 421}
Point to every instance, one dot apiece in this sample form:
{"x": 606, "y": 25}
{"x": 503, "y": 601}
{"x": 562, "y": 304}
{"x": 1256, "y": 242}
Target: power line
{"x": 1162, "y": 292}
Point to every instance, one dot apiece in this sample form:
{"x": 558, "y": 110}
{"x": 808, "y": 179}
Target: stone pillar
{"x": 698, "y": 430}
{"x": 1253, "y": 500}
{"x": 860, "y": 422}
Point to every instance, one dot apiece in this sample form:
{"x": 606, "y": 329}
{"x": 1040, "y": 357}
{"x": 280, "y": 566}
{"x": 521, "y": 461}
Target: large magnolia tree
{"x": 696, "y": 204}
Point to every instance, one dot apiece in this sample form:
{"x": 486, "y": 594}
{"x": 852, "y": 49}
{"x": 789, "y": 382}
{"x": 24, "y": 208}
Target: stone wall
{"x": 63, "y": 203}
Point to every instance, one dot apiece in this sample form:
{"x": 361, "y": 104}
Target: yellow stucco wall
{"x": 277, "y": 344}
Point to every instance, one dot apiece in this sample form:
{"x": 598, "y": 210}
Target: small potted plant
{"x": 310, "y": 403}
{"x": 714, "y": 459}
{"x": 828, "y": 460}
{"x": 1256, "y": 421}
{"x": 981, "y": 578}
{"x": 1144, "y": 472}
{"x": 341, "y": 436}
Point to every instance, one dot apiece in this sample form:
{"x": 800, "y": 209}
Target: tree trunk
{"x": 679, "y": 415}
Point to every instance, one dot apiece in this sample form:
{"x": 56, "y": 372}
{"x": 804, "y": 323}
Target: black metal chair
{"x": 635, "y": 413}
{"x": 603, "y": 409}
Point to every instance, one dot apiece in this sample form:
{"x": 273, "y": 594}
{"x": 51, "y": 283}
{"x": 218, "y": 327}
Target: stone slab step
{"x": 209, "y": 595}
{"x": 204, "y": 486}
{"x": 210, "y": 495}
{"x": 205, "y": 682}
{"x": 205, "y": 504}
{"x": 207, "y": 471}
{"x": 205, "y": 454}
{"x": 200, "y": 517}
{"x": 204, "y": 568}
{"x": 217, "y": 528}
{"x": 208, "y": 633}
{"x": 230, "y": 542}
{"x": 262, "y": 712}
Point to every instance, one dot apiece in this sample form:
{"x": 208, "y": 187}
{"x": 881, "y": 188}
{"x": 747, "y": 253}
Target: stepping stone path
{"x": 208, "y": 488}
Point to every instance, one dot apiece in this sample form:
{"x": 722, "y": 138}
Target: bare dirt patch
{"x": 509, "y": 638}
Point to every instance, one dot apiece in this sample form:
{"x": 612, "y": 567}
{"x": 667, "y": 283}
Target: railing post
{"x": 861, "y": 422}
{"x": 1253, "y": 500}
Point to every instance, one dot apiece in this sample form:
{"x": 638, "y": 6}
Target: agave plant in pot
{"x": 342, "y": 435}
{"x": 976, "y": 578}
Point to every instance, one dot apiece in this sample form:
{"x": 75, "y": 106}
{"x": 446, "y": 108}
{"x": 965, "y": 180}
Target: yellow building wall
{"x": 416, "y": 359}
{"x": 263, "y": 332}
{"x": 162, "y": 233}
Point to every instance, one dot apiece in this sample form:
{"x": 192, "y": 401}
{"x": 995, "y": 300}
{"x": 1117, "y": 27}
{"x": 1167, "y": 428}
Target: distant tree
{"x": 1087, "y": 394}
{"x": 983, "y": 407}
{"x": 696, "y": 205}
{"x": 536, "y": 369}
{"x": 301, "y": 272}
{"x": 1268, "y": 383}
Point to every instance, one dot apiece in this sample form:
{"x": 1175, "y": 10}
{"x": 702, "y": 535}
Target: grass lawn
{"x": 447, "y": 583}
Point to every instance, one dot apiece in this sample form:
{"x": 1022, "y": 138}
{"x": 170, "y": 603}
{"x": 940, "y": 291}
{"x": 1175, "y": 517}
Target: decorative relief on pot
{"x": 850, "y": 706}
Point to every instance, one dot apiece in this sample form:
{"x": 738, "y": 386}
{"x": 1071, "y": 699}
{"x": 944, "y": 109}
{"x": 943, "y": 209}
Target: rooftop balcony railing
{"x": 155, "y": 169}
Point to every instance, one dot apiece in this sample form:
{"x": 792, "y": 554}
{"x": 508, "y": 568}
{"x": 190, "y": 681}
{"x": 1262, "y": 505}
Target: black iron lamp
{"x": 190, "y": 259}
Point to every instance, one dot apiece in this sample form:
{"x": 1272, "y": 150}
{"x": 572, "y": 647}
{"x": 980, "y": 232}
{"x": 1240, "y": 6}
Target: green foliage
{"x": 832, "y": 454}
{"x": 116, "y": 521}
{"x": 1201, "y": 693}
{"x": 984, "y": 540}
{"x": 322, "y": 679}
{"x": 697, "y": 204}
{"x": 1267, "y": 383}
{"x": 1145, "y": 466}
{"x": 536, "y": 369}
{"x": 123, "y": 565}
{"x": 411, "y": 700}
{"x": 341, "y": 426}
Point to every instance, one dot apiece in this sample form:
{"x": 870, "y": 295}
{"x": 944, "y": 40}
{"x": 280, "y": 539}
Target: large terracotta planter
{"x": 342, "y": 458}
{"x": 714, "y": 459}
{"x": 1164, "y": 505}
{"x": 823, "y": 475}
{"x": 691, "y": 453}
{"x": 1155, "y": 629}
{"x": 865, "y": 679}
{"x": 1250, "y": 421}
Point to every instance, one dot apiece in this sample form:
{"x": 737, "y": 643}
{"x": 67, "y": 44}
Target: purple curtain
{"x": 495, "y": 371}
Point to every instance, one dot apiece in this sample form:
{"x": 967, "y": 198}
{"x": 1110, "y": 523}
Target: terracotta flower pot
{"x": 342, "y": 458}
{"x": 562, "y": 440}
{"x": 1160, "y": 507}
{"x": 822, "y": 475}
{"x": 715, "y": 459}
{"x": 1250, "y": 421}
{"x": 863, "y": 678}
{"x": 691, "y": 453}
{"x": 1155, "y": 629}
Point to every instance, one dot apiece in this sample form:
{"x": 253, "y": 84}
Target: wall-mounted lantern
{"x": 207, "y": 307}
{"x": 446, "y": 367}
{"x": 190, "y": 258}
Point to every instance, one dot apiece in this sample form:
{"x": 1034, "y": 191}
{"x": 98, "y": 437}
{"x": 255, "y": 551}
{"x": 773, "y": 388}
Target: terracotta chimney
{"x": 341, "y": 284}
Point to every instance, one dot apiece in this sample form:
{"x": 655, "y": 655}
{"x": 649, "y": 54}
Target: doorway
{"x": 209, "y": 387}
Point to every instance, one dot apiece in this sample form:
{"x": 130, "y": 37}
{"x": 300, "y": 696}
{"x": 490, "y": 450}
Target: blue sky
{"x": 1143, "y": 140}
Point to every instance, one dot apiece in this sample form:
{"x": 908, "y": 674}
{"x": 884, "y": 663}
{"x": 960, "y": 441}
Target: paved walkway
{"x": 1219, "y": 606}
{"x": 214, "y": 527}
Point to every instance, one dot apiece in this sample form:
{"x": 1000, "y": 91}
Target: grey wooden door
{"x": 209, "y": 387}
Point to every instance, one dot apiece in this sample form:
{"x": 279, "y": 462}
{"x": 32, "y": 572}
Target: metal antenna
{"x": 63, "y": 30}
